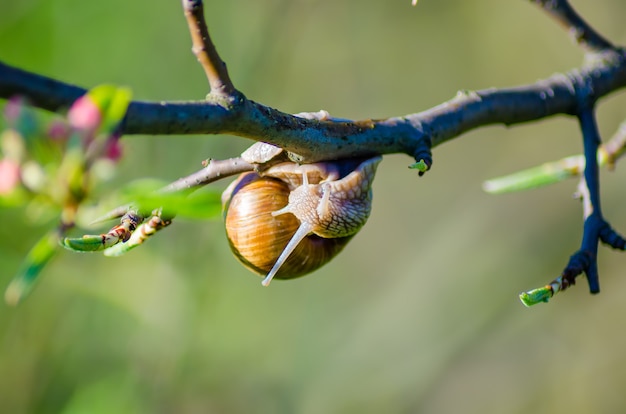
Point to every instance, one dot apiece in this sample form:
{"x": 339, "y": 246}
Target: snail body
{"x": 293, "y": 218}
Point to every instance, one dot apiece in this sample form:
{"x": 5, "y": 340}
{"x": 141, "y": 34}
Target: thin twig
{"x": 215, "y": 170}
{"x": 559, "y": 170}
{"x": 616, "y": 147}
{"x": 582, "y": 33}
{"x": 205, "y": 50}
{"x": 594, "y": 221}
{"x": 591, "y": 143}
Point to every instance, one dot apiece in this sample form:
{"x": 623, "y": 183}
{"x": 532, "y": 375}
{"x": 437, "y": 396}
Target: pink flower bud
{"x": 9, "y": 175}
{"x": 113, "y": 150}
{"x": 84, "y": 114}
{"x": 13, "y": 108}
{"x": 58, "y": 131}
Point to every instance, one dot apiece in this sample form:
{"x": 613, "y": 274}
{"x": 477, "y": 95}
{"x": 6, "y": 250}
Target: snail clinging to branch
{"x": 291, "y": 219}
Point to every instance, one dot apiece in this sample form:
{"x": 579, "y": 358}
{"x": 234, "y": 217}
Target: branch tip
{"x": 423, "y": 156}
{"x": 545, "y": 293}
{"x": 421, "y": 166}
{"x": 535, "y": 296}
{"x": 612, "y": 238}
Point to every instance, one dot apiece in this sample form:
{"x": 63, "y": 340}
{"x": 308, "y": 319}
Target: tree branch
{"x": 582, "y": 33}
{"x": 41, "y": 91}
{"x": 205, "y": 50}
{"x": 595, "y": 227}
{"x": 310, "y": 140}
{"x": 321, "y": 137}
{"x": 214, "y": 170}
{"x": 555, "y": 171}
{"x": 315, "y": 140}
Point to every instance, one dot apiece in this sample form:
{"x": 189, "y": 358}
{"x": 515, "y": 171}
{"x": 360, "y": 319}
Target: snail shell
{"x": 295, "y": 218}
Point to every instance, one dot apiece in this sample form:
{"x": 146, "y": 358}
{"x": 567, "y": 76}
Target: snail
{"x": 291, "y": 219}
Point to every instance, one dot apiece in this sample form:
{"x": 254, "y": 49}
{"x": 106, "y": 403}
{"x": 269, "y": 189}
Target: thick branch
{"x": 316, "y": 140}
{"x": 42, "y": 92}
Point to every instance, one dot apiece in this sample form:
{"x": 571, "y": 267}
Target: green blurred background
{"x": 419, "y": 314}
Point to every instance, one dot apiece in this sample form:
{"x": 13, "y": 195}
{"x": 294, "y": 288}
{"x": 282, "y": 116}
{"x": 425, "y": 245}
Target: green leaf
{"x": 15, "y": 198}
{"x": 24, "y": 282}
{"x": 113, "y": 102}
{"x": 203, "y": 205}
{"x": 146, "y": 196}
{"x": 421, "y": 166}
{"x": 536, "y": 177}
{"x": 121, "y": 232}
{"x": 87, "y": 243}
{"x": 535, "y": 296}
{"x": 120, "y": 249}
{"x": 141, "y": 187}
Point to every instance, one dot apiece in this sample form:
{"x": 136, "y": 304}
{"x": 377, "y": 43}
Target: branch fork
{"x": 595, "y": 228}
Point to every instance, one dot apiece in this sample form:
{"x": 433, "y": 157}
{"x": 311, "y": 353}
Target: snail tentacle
{"x": 323, "y": 207}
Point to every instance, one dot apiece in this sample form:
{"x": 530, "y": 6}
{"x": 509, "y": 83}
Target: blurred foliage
{"x": 54, "y": 167}
{"x": 397, "y": 323}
